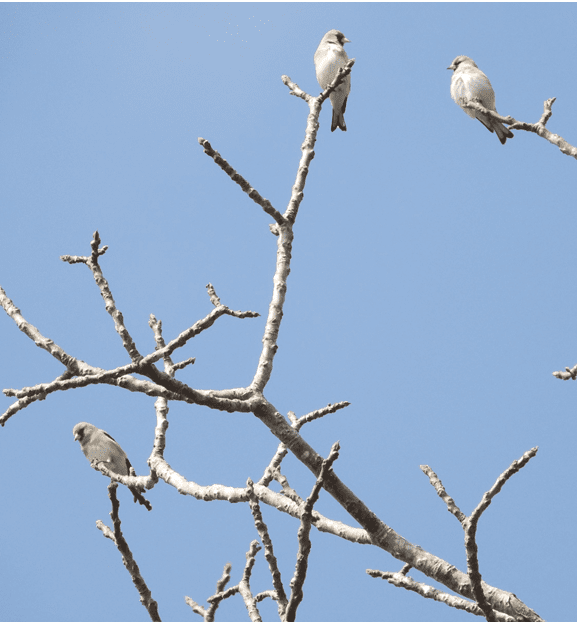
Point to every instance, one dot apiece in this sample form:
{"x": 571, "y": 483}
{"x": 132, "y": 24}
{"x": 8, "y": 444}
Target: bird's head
{"x": 336, "y": 36}
{"x": 80, "y": 430}
{"x": 461, "y": 60}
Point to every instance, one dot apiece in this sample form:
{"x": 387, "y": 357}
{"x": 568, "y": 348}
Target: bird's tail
{"x": 338, "y": 121}
{"x": 493, "y": 125}
{"x": 502, "y": 132}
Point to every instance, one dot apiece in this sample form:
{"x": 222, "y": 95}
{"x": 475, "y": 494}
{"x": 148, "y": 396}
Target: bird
{"x": 470, "y": 83}
{"x": 98, "y": 445}
{"x": 329, "y": 57}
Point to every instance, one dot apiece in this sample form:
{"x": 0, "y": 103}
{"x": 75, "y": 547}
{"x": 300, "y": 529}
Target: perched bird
{"x": 329, "y": 57}
{"x": 470, "y": 83}
{"x": 98, "y": 445}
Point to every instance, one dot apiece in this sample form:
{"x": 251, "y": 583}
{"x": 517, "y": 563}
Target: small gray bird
{"x": 470, "y": 83}
{"x": 329, "y": 58}
{"x": 99, "y": 445}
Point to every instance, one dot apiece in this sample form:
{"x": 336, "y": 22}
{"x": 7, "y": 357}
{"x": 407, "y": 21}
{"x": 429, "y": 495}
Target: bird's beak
{"x": 345, "y": 40}
{"x": 451, "y": 67}
{"x": 76, "y": 436}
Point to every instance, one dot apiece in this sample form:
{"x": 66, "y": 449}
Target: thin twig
{"x": 244, "y": 185}
{"x": 129, "y": 563}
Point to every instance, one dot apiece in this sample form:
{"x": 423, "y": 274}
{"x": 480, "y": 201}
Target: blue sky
{"x": 430, "y": 287}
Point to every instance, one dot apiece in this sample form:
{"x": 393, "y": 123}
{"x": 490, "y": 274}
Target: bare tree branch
{"x": 305, "y": 545}
{"x": 398, "y": 579}
{"x": 244, "y": 585}
{"x": 480, "y": 590}
{"x": 129, "y": 563}
{"x": 244, "y": 185}
{"x": 439, "y": 487}
{"x": 538, "y": 128}
{"x": 92, "y": 263}
{"x": 568, "y": 373}
{"x": 214, "y": 600}
{"x": 268, "y": 549}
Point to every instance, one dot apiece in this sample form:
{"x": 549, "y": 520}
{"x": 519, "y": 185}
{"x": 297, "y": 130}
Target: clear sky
{"x": 431, "y": 287}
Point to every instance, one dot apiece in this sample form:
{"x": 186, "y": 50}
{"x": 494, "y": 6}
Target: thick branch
{"x": 382, "y": 535}
{"x": 226, "y": 400}
{"x": 275, "y": 310}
